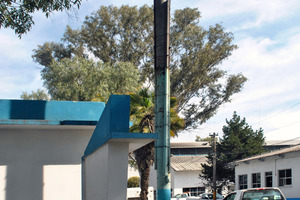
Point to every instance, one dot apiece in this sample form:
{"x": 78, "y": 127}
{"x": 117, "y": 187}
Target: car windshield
{"x": 262, "y": 194}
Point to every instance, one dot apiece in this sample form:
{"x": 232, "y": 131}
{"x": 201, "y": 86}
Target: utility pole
{"x": 214, "y": 165}
{"x": 162, "y": 97}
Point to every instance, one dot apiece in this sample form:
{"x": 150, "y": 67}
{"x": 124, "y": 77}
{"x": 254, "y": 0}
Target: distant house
{"x": 279, "y": 168}
{"x": 186, "y": 160}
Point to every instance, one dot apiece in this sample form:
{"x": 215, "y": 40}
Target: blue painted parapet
{"x": 105, "y": 160}
{"x": 36, "y": 112}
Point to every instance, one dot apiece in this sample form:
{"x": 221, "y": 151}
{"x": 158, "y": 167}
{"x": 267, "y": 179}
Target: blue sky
{"x": 267, "y": 33}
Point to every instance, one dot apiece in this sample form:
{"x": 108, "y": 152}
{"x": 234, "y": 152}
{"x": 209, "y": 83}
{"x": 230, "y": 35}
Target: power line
{"x": 291, "y": 124}
{"x": 277, "y": 113}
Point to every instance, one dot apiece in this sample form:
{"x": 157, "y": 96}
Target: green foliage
{"x": 17, "y": 15}
{"x": 239, "y": 141}
{"x": 133, "y": 182}
{"x": 38, "y": 95}
{"x": 142, "y": 116}
{"x": 142, "y": 113}
{"x": 125, "y": 34}
{"x": 210, "y": 140}
{"x": 79, "y": 79}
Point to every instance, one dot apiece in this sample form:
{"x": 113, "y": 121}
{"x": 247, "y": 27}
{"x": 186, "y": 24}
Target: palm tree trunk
{"x": 144, "y": 183}
{"x": 144, "y": 157}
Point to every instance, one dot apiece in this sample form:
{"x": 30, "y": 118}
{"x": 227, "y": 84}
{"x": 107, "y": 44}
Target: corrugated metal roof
{"x": 190, "y": 145}
{"x": 188, "y": 163}
{"x": 272, "y": 153}
{"x": 176, "y": 145}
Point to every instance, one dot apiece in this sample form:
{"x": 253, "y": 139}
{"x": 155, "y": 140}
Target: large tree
{"x": 239, "y": 141}
{"x": 125, "y": 34}
{"x": 17, "y": 14}
{"x": 142, "y": 116}
{"x": 79, "y": 79}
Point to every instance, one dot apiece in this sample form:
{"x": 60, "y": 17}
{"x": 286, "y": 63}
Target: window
{"x": 256, "y": 180}
{"x": 243, "y": 181}
{"x": 285, "y": 177}
{"x": 195, "y": 191}
{"x": 269, "y": 179}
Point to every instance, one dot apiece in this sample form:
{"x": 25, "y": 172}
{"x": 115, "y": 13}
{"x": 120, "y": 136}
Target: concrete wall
{"x": 105, "y": 172}
{"x": 41, "y": 162}
{"x": 289, "y": 161}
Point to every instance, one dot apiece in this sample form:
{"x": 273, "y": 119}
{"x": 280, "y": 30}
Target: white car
{"x": 209, "y": 196}
{"x": 185, "y": 196}
{"x": 256, "y": 194}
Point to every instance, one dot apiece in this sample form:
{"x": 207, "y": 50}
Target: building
{"x": 279, "y": 168}
{"x": 186, "y": 160}
{"x": 41, "y": 145}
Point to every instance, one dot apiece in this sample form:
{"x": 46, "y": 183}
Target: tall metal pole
{"x": 162, "y": 98}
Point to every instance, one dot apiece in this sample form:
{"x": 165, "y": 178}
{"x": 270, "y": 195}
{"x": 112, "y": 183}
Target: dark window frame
{"x": 269, "y": 179}
{"x": 284, "y": 177}
{"x": 243, "y": 181}
{"x": 256, "y": 180}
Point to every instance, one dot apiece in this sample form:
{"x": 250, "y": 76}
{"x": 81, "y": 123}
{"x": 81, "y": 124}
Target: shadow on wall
{"x": 30, "y": 109}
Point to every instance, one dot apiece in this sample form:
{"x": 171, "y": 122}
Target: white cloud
{"x": 255, "y": 11}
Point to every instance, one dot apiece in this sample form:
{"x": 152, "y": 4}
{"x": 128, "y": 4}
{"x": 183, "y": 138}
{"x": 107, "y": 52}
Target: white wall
{"x": 179, "y": 180}
{"x": 289, "y": 161}
{"x": 2, "y": 182}
{"x": 62, "y": 182}
{"x": 36, "y": 162}
{"x": 187, "y": 179}
{"x": 105, "y": 173}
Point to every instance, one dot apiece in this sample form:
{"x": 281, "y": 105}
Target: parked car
{"x": 210, "y": 196}
{"x": 256, "y": 194}
{"x": 185, "y": 196}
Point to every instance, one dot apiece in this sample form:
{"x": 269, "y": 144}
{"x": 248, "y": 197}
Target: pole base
{"x": 163, "y": 194}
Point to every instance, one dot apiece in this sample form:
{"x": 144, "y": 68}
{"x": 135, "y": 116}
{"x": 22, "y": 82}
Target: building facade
{"x": 279, "y": 168}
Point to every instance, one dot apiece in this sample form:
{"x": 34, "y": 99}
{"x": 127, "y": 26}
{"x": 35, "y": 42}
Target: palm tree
{"x": 142, "y": 116}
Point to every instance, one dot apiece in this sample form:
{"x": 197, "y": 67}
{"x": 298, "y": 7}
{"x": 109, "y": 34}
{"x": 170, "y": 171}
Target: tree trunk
{"x": 144, "y": 157}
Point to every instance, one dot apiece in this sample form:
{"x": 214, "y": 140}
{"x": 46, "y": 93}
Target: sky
{"x": 266, "y": 32}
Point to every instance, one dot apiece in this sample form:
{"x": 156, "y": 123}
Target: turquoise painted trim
{"x": 50, "y": 112}
{"x": 164, "y": 194}
{"x": 114, "y": 124}
{"x": 115, "y": 118}
{"x": 293, "y": 198}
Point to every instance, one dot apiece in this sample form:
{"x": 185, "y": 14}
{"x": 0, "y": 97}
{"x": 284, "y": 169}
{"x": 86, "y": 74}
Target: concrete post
{"x": 162, "y": 98}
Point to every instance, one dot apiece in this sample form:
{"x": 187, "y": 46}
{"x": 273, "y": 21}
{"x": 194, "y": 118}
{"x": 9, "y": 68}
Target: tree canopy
{"x": 125, "y": 34}
{"x": 38, "y": 95}
{"x": 239, "y": 141}
{"x": 85, "y": 80}
{"x": 17, "y": 14}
